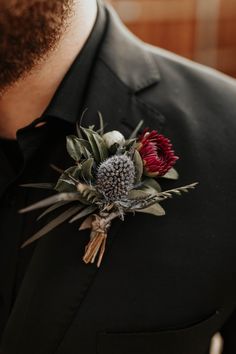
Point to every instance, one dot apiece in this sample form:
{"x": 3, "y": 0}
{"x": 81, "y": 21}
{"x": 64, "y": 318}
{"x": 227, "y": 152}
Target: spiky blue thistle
{"x": 115, "y": 177}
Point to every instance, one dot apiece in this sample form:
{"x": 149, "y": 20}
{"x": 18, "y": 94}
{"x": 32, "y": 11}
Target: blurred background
{"x": 201, "y": 30}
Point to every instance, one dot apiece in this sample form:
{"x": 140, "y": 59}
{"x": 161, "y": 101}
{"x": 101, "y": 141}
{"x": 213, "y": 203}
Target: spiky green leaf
{"x": 52, "y": 200}
{"x": 85, "y": 212}
{"x": 53, "y": 208}
{"x": 52, "y": 224}
{"x": 39, "y": 185}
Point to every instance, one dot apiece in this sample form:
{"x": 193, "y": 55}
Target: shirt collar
{"x": 68, "y": 100}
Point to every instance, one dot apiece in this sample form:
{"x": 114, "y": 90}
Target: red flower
{"x": 156, "y": 152}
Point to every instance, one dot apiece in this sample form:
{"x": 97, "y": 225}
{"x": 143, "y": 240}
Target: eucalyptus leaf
{"x": 171, "y": 174}
{"x": 73, "y": 147}
{"x": 89, "y": 210}
{"x": 53, "y": 224}
{"x": 138, "y": 164}
{"x": 155, "y": 209}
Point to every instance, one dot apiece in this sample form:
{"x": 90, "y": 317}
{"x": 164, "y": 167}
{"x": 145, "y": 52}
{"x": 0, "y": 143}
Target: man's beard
{"x": 29, "y": 31}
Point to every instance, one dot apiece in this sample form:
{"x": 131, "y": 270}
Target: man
{"x": 166, "y": 285}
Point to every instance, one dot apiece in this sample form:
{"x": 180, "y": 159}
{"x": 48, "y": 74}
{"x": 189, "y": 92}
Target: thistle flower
{"x": 115, "y": 177}
{"x": 156, "y": 152}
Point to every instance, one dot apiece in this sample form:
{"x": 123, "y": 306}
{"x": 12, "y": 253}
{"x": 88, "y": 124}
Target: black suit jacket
{"x": 178, "y": 287}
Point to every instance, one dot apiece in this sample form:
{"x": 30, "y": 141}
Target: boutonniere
{"x": 111, "y": 177}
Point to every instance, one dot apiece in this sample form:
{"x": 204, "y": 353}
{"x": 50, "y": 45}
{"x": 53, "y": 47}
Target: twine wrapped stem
{"x": 96, "y": 246}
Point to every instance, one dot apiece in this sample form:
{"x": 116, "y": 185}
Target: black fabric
{"x": 166, "y": 285}
{"x": 10, "y": 148}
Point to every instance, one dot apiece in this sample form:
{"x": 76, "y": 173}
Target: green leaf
{"x": 151, "y": 183}
{"x": 95, "y": 151}
{"x": 79, "y": 123}
{"x": 155, "y": 209}
{"x": 101, "y": 146}
{"x": 75, "y": 172}
{"x": 101, "y": 130}
{"x": 85, "y": 212}
{"x": 136, "y": 194}
{"x": 138, "y": 164}
{"x": 52, "y": 224}
{"x": 130, "y": 144}
{"x": 52, "y": 200}
{"x": 65, "y": 186}
{"x": 86, "y": 170}
{"x": 171, "y": 174}
{"x": 73, "y": 147}
{"x": 68, "y": 180}
{"x": 52, "y": 208}
{"x": 84, "y": 144}
{"x": 97, "y": 144}
{"x": 136, "y": 130}
{"x": 39, "y": 185}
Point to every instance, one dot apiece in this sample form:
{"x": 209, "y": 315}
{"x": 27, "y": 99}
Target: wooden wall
{"x": 202, "y": 30}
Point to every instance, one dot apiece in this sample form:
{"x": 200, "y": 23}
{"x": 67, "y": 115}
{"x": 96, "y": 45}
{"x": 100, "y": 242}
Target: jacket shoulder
{"x": 194, "y": 78}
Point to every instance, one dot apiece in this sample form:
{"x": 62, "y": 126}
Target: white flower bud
{"x": 113, "y": 137}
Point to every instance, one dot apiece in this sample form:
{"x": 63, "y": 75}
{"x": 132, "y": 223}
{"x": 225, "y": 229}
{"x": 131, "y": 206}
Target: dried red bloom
{"x": 156, "y": 152}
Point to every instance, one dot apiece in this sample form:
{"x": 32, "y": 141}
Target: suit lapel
{"x": 57, "y": 279}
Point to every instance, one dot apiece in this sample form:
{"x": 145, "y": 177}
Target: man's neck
{"x": 28, "y": 98}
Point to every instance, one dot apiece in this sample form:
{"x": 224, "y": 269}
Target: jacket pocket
{"x": 193, "y": 339}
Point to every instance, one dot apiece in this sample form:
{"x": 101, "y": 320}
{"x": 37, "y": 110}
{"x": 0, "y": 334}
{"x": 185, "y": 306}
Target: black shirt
{"x": 27, "y": 159}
